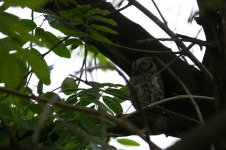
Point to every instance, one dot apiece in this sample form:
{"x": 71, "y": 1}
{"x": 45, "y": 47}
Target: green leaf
{"x": 88, "y": 96}
{"x": 24, "y": 3}
{"x": 92, "y": 49}
{"x": 72, "y": 99}
{"x": 17, "y": 28}
{"x": 40, "y": 87}
{"x": 5, "y": 110}
{"x": 35, "y": 108}
{"x": 103, "y": 28}
{"x": 28, "y": 24}
{"x": 120, "y": 93}
{"x": 9, "y": 23}
{"x": 98, "y": 11}
{"x": 64, "y": 27}
{"x": 113, "y": 104}
{"x": 9, "y": 43}
{"x": 105, "y": 20}
{"x": 76, "y": 21}
{"x": 37, "y": 63}
{"x": 73, "y": 41}
{"x": 12, "y": 69}
{"x": 78, "y": 11}
{"x": 100, "y": 38}
{"x": 68, "y": 86}
{"x": 53, "y": 43}
{"x": 128, "y": 142}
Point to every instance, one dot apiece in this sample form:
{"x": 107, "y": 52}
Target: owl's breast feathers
{"x": 149, "y": 89}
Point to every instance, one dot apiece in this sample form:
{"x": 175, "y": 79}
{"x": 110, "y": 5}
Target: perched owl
{"x": 146, "y": 82}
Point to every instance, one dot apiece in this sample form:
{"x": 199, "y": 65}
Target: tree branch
{"x": 120, "y": 122}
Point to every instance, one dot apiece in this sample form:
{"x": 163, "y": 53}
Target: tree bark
{"x": 213, "y": 20}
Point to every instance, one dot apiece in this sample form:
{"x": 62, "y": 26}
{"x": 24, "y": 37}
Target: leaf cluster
{"x": 22, "y": 55}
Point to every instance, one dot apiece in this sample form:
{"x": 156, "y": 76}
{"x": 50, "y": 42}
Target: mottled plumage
{"x": 146, "y": 82}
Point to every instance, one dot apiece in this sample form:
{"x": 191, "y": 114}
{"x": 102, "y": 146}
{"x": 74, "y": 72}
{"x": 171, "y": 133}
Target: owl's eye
{"x": 145, "y": 66}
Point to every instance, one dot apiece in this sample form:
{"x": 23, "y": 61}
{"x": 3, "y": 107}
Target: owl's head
{"x": 143, "y": 65}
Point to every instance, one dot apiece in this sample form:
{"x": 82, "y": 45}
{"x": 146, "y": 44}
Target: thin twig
{"x": 170, "y": 99}
{"x": 143, "y": 50}
{"x": 183, "y": 39}
{"x": 157, "y": 8}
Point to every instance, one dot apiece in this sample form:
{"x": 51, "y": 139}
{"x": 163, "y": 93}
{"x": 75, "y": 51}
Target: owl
{"x": 146, "y": 82}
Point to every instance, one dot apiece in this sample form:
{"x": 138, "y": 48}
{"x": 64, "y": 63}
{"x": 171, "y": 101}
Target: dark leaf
{"x": 105, "y": 20}
{"x": 114, "y": 104}
{"x": 40, "y": 87}
{"x": 68, "y": 86}
{"x": 103, "y": 28}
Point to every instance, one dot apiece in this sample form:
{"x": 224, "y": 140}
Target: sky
{"x": 176, "y": 12}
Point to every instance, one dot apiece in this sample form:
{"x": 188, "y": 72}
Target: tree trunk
{"x": 213, "y": 20}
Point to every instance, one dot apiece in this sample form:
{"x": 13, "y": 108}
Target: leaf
{"x": 7, "y": 23}
{"x": 98, "y": 11}
{"x": 17, "y": 29}
{"x": 102, "y": 19}
{"x": 73, "y": 41}
{"x": 40, "y": 87}
{"x": 35, "y": 108}
{"x": 88, "y": 96}
{"x": 12, "y": 69}
{"x": 28, "y": 24}
{"x": 5, "y": 110}
{"x": 72, "y": 99}
{"x": 53, "y": 43}
{"x": 60, "y": 25}
{"x": 100, "y": 38}
{"x": 76, "y": 21}
{"x": 78, "y": 11}
{"x": 128, "y": 142}
{"x": 120, "y": 93}
{"x": 103, "y": 28}
{"x": 9, "y": 43}
{"x": 24, "y": 3}
{"x": 92, "y": 49}
{"x": 37, "y": 63}
{"x": 68, "y": 86}
{"x": 113, "y": 104}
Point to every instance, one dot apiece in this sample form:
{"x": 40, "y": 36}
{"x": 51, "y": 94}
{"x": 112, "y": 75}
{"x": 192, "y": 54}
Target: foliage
{"x": 22, "y": 55}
